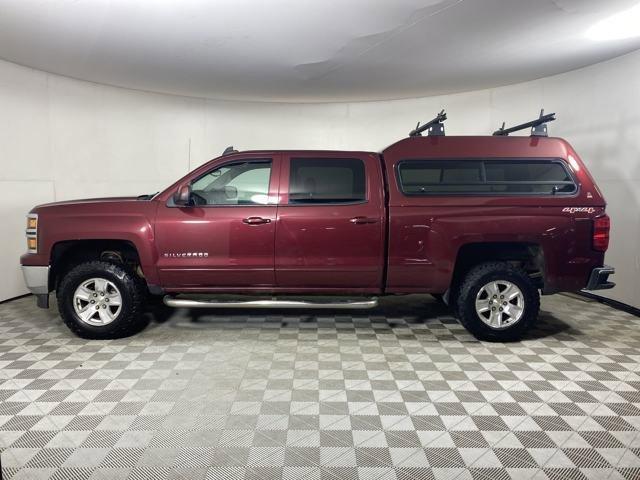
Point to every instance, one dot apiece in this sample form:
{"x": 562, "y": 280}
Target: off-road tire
{"x": 132, "y": 290}
{"x": 475, "y": 279}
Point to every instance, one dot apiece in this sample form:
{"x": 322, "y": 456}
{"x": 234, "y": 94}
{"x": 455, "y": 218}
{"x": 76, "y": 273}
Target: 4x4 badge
{"x": 579, "y": 209}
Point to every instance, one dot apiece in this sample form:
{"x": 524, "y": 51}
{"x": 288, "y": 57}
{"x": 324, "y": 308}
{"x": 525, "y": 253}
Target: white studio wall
{"x": 62, "y": 138}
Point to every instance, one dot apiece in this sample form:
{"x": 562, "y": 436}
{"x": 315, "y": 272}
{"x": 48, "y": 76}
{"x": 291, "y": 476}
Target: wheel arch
{"x": 527, "y": 255}
{"x": 67, "y": 254}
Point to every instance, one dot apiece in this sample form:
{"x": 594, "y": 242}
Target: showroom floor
{"x": 398, "y": 392}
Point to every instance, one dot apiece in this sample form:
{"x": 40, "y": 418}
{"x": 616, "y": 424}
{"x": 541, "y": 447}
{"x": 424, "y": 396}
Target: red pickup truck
{"x": 486, "y": 223}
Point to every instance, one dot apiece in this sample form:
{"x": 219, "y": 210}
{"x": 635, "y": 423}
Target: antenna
{"x": 538, "y": 126}
{"x": 435, "y": 126}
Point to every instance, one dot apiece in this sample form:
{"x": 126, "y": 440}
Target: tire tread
{"x": 474, "y": 324}
{"x": 122, "y": 326}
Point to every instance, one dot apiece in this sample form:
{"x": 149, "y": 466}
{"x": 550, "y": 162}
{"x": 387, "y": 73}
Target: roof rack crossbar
{"x": 435, "y": 126}
{"x": 538, "y": 126}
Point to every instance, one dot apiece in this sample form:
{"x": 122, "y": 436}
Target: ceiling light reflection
{"x": 622, "y": 25}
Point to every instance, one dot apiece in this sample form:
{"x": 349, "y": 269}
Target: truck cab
{"x": 290, "y": 221}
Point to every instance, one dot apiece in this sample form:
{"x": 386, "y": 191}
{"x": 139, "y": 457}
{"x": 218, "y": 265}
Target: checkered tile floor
{"x": 398, "y": 392}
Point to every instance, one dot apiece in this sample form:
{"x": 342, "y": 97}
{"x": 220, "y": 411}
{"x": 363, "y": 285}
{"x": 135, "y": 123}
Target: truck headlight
{"x": 32, "y": 233}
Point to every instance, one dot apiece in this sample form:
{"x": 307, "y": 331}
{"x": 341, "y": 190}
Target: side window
{"x": 326, "y": 180}
{"x": 530, "y": 177}
{"x": 492, "y": 177}
{"x": 441, "y": 177}
{"x": 242, "y": 183}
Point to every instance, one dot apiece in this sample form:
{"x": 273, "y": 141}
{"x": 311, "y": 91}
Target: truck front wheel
{"x": 497, "y": 302}
{"x": 101, "y": 300}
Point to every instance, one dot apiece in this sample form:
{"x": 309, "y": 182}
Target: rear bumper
{"x": 36, "y": 278}
{"x": 599, "y": 278}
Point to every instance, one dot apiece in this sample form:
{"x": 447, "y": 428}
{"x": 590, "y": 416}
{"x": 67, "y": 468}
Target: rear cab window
{"x": 485, "y": 177}
{"x": 327, "y": 181}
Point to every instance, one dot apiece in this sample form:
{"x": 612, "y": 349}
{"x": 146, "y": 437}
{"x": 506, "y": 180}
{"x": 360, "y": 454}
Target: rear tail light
{"x": 601, "y": 226}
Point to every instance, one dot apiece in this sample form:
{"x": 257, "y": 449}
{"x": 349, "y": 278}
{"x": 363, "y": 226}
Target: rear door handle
{"x": 256, "y": 220}
{"x": 363, "y": 220}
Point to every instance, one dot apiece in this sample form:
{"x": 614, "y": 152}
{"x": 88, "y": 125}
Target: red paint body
{"x": 404, "y": 244}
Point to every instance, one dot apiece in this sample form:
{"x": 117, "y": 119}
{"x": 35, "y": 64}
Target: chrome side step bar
{"x": 336, "y": 304}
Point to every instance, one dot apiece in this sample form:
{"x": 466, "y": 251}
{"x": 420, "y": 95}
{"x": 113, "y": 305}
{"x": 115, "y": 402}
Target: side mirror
{"x": 182, "y": 197}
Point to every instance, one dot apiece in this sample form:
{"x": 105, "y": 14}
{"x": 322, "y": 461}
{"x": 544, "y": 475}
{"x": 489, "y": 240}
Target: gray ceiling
{"x": 306, "y": 50}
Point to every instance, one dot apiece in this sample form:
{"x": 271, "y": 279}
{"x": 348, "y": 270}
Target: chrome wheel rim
{"x": 500, "y": 304}
{"x": 97, "y": 302}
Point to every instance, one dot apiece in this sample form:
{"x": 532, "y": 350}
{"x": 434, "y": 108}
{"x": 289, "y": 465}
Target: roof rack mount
{"x": 538, "y": 126}
{"x": 229, "y": 151}
{"x": 435, "y": 127}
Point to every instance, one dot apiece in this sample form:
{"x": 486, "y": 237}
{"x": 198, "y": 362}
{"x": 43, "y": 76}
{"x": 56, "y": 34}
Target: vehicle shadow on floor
{"x": 393, "y": 313}
{"x": 549, "y": 325}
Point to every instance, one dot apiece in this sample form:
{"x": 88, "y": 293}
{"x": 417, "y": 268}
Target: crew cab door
{"x": 225, "y": 241}
{"x": 330, "y": 228}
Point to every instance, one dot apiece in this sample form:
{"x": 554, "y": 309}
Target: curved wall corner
{"x": 62, "y": 138}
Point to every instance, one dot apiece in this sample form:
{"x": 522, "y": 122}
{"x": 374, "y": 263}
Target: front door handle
{"x": 256, "y": 220}
{"x": 363, "y": 220}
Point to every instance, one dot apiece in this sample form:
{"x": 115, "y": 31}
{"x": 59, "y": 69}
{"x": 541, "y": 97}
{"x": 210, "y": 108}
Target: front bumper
{"x": 37, "y": 280}
{"x": 599, "y": 278}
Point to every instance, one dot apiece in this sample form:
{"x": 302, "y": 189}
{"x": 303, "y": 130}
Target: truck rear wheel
{"x": 101, "y": 300}
{"x": 497, "y": 302}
